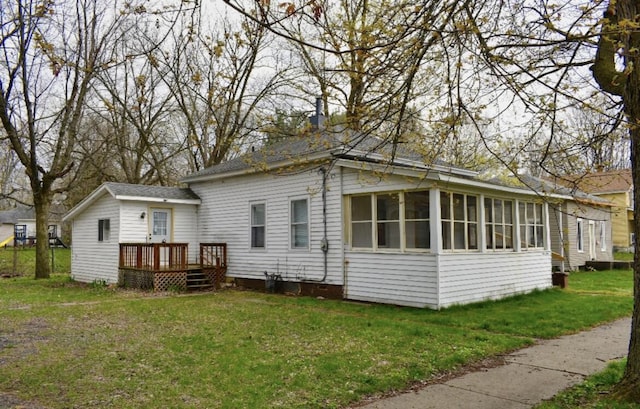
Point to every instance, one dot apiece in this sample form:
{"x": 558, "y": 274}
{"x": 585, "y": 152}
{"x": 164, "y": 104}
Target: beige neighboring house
{"x": 616, "y": 186}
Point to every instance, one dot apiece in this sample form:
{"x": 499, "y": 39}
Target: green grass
{"x": 593, "y": 393}
{"x": 623, "y": 256}
{"x": 63, "y": 344}
{"x": 22, "y": 261}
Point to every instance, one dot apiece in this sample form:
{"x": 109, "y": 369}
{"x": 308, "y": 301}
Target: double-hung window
{"x": 104, "y": 229}
{"x": 299, "y": 224}
{"x": 459, "y": 214}
{"x": 531, "y": 225}
{"x": 603, "y": 236}
{"x": 498, "y": 218}
{"x": 258, "y": 225}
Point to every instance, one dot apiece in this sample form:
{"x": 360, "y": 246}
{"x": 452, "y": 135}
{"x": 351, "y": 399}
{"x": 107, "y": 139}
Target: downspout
{"x": 324, "y": 243}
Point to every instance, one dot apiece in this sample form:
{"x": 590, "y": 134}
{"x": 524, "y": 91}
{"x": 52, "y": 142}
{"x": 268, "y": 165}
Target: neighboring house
{"x": 122, "y": 213}
{"x": 615, "y": 186}
{"x": 580, "y": 225}
{"x": 18, "y": 226}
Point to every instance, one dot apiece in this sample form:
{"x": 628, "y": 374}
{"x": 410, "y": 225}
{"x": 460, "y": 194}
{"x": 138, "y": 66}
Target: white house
{"x": 123, "y": 213}
{"x": 327, "y": 217}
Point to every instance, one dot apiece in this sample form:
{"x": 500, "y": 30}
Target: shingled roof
{"x": 127, "y": 191}
{"x": 320, "y": 146}
{"x": 607, "y": 182}
{"x": 120, "y": 190}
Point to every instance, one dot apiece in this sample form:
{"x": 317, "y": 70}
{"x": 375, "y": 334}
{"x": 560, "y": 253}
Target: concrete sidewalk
{"x": 530, "y": 375}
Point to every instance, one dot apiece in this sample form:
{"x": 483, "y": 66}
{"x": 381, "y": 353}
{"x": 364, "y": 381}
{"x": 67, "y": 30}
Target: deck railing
{"x": 154, "y": 256}
{"x": 213, "y": 254}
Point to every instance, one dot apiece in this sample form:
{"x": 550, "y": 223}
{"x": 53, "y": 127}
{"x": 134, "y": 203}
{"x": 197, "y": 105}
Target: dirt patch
{"x": 8, "y": 401}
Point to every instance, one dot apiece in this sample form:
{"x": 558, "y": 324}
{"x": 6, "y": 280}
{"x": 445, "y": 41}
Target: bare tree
{"x": 218, "y": 77}
{"x": 51, "y": 52}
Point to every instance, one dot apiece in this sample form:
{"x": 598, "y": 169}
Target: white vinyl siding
{"x": 224, "y": 217}
{"x": 94, "y": 260}
{"x": 472, "y": 277}
{"x": 403, "y": 278}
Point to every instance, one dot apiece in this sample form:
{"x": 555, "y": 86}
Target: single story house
{"x": 580, "y": 225}
{"x": 615, "y": 186}
{"x": 118, "y": 213}
{"x": 18, "y": 226}
{"x": 335, "y": 216}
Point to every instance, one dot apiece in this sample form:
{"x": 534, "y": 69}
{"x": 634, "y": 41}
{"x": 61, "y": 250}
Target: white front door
{"x": 160, "y": 225}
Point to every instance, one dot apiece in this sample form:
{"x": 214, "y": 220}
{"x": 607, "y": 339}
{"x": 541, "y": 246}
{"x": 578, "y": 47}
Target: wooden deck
{"x": 165, "y": 266}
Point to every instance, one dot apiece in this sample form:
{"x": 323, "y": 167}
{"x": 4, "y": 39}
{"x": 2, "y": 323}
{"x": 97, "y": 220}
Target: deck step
{"x": 197, "y": 280}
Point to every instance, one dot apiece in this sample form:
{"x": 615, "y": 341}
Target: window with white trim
{"x": 416, "y": 220}
{"x": 361, "y": 222}
{"x": 603, "y": 236}
{"x": 390, "y": 220}
{"x": 579, "y": 231}
{"x": 498, "y": 215}
{"x": 531, "y": 225}
{"x": 258, "y": 225}
{"x": 104, "y": 229}
{"x": 299, "y": 224}
{"x": 459, "y": 221}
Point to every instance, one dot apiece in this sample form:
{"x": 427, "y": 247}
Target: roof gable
{"x": 126, "y": 191}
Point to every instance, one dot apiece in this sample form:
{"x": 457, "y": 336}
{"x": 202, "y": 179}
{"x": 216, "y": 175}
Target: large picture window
{"x": 498, "y": 217}
{"x": 459, "y": 214}
{"x": 258, "y": 225}
{"x": 381, "y": 220}
{"x": 299, "y": 224}
{"x": 531, "y": 225}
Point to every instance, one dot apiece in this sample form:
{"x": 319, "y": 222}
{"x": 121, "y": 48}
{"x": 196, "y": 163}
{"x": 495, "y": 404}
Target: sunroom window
{"x": 531, "y": 225}
{"x": 388, "y": 221}
{"x": 416, "y": 220}
{"x": 459, "y": 214}
{"x": 498, "y": 223}
{"x": 396, "y": 220}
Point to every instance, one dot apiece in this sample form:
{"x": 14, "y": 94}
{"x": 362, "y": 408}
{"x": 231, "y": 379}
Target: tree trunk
{"x": 42, "y": 204}
{"x": 629, "y": 387}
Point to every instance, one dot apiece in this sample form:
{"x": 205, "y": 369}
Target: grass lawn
{"x": 592, "y": 393}
{"x": 22, "y": 261}
{"x": 623, "y": 256}
{"x": 64, "y": 345}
